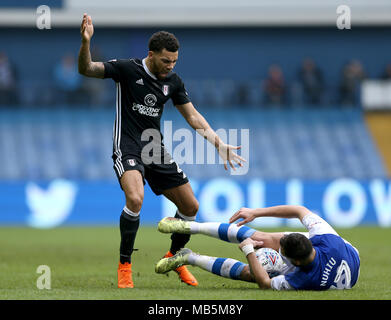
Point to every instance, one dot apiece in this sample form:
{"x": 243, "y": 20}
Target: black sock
{"x": 128, "y": 226}
{"x": 178, "y": 240}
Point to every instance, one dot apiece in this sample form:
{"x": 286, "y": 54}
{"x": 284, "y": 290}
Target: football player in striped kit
{"x": 315, "y": 260}
{"x": 143, "y": 86}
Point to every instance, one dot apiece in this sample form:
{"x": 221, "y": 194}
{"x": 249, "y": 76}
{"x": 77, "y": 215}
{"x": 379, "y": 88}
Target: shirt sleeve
{"x": 113, "y": 69}
{"x": 180, "y": 95}
{"x": 316, "y": 225}
{"x": 280, "y": 283}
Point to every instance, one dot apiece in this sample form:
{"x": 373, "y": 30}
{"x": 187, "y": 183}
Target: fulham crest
{"x": 132, "y": 162}
{"x": 165, "y": 89}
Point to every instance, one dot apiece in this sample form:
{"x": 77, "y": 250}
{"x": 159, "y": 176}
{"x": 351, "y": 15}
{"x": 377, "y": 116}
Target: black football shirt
{"x": 140, "y": 99}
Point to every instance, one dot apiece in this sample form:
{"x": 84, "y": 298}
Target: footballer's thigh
{"x": 270, "y": 239}
{"x": 183, "y": 197}
{"x": 132, "y": 184}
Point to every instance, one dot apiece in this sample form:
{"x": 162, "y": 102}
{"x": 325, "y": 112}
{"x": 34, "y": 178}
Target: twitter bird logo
{"x": 49, "y": 208}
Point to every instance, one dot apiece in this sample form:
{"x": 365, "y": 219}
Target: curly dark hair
{"x": 163, "y": 40}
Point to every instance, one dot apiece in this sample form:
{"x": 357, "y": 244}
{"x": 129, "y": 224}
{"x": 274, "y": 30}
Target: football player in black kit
{"x": 142, "y": 89}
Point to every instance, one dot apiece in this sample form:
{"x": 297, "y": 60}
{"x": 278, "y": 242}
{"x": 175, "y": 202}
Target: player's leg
{"x": 224, "y": 267}
{"x": 168, "y": 179}
{"x": 187, "y": 206}
{"x": 223, "y": 231}
{"x": 133, "y": 187}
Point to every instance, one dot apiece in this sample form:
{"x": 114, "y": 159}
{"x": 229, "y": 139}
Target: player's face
{"x": 163, "y": 62}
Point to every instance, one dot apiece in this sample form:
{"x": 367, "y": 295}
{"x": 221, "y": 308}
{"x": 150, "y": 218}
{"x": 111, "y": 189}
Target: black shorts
{"x": 160, "y": 176}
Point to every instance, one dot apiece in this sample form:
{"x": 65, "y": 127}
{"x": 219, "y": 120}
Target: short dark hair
{"x": 163, "y": 40}
{"x": 296, "y": 246}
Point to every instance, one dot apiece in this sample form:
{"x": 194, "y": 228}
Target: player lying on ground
{"x": 317, "y": 260}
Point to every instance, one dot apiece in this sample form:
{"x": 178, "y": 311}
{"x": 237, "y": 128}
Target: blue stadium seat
{"x": 45, "y": 144}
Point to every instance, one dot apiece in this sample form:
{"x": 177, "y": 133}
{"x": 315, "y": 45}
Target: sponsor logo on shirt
{"x": 147, "y": 111}
{"x": 150, "y": 100}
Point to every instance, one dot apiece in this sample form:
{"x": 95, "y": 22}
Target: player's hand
{"x": 228, "y": 154}
{"x": 255, "y": 244}
{"x": 86, "y": 28}
{"x": 246, "y": 214}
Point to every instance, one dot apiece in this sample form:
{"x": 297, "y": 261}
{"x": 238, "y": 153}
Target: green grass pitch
{"x": 83, "y": 264}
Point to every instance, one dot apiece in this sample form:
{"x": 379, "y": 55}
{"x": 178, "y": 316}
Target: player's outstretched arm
{"x": 259, "y": 273}
{"x": 283, "y": 211}
{"x": 199, "y": 123}
{"x": 86, "y": 66}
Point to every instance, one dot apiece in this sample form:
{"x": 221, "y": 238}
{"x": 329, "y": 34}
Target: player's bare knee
{"x": 191, "y": 210}
{"x": 134, "y": 202}
{"x": 195, "y": 208}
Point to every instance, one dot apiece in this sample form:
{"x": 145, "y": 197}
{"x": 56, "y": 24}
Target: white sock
{"x": 184, "y": 217}
{"x": 130, "y": 212}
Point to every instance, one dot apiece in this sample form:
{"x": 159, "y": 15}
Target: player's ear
{"x": 297, "y": 262}
{"x": 150, "y": 54}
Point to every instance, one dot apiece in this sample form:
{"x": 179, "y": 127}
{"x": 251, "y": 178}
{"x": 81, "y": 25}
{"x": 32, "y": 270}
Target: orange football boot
{"x": 125, "y": 275}
{"x": 183, "y": 273}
